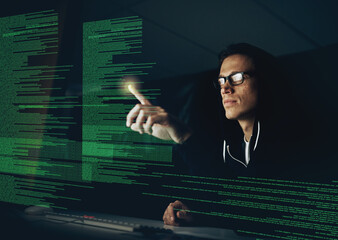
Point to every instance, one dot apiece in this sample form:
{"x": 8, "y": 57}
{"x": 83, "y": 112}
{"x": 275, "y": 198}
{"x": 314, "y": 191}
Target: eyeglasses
{"x": 234, "y": 79}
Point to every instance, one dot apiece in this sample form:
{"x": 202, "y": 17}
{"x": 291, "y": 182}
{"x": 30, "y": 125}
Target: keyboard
{"x": 105, "y": 223}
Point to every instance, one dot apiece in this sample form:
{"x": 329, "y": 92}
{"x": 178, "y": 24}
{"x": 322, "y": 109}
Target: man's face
{"x": 239, "y": 101}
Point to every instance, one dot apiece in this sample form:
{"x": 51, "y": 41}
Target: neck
{"x": 247, "y": 127}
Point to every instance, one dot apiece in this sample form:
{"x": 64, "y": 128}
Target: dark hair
{"x": 267, "y": 71}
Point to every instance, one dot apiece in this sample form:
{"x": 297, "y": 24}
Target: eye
{"x": 237, "y": 77}
{"x": 221, "y": 80}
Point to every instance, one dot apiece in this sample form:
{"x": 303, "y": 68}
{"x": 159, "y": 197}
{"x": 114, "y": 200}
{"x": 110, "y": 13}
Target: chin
{"x": 230, "y": 116}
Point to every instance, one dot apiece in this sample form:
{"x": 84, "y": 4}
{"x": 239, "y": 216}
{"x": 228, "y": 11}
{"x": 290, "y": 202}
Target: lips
{"x": 229, "y": 102}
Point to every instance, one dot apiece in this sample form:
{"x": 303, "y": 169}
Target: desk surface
{"x": 40, "y": 227}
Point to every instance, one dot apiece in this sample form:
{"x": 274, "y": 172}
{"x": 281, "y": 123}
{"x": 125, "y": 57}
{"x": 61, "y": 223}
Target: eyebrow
{"x": 223, "y": 76}
{"x": 233, "y": 72}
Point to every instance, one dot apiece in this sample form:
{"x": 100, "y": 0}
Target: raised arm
{"x": 155, "y": 121}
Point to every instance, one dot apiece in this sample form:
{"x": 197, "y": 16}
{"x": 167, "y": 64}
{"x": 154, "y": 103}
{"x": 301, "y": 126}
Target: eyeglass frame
{"x": 227, "y": 78}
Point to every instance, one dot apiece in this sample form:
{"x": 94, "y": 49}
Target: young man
{"x": 243, "y": 83}
{"x": 255, "y": 148}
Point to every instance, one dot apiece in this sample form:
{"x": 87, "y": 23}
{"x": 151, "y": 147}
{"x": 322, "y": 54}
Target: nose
{"x": 226, "y": 88}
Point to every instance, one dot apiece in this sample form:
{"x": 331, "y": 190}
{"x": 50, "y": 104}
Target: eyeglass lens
{"x": 236, "y": 78}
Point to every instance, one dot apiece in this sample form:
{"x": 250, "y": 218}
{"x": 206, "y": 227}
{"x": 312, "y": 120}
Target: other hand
{"x": 177, "y": 214}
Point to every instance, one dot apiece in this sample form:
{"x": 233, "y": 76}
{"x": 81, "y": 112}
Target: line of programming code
{"x": 289, "y": 209}
{"x": 36, "y": 119}
{"x": 111, "y": 152}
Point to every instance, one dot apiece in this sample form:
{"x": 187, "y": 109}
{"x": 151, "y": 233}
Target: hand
{"x": 177, "y": 214}
{"x": 155, "y": 121}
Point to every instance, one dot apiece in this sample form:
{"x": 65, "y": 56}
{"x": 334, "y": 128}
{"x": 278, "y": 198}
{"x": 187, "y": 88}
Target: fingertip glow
{"x": 130, "y": 84}
{"x": 131, "y": 88}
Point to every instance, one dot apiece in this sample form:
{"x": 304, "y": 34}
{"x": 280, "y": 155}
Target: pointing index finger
{"x": 138, "y": 95}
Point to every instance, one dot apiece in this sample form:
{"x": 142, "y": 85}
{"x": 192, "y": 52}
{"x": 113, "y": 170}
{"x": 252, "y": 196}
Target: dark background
{"x": 184, "y": 39}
